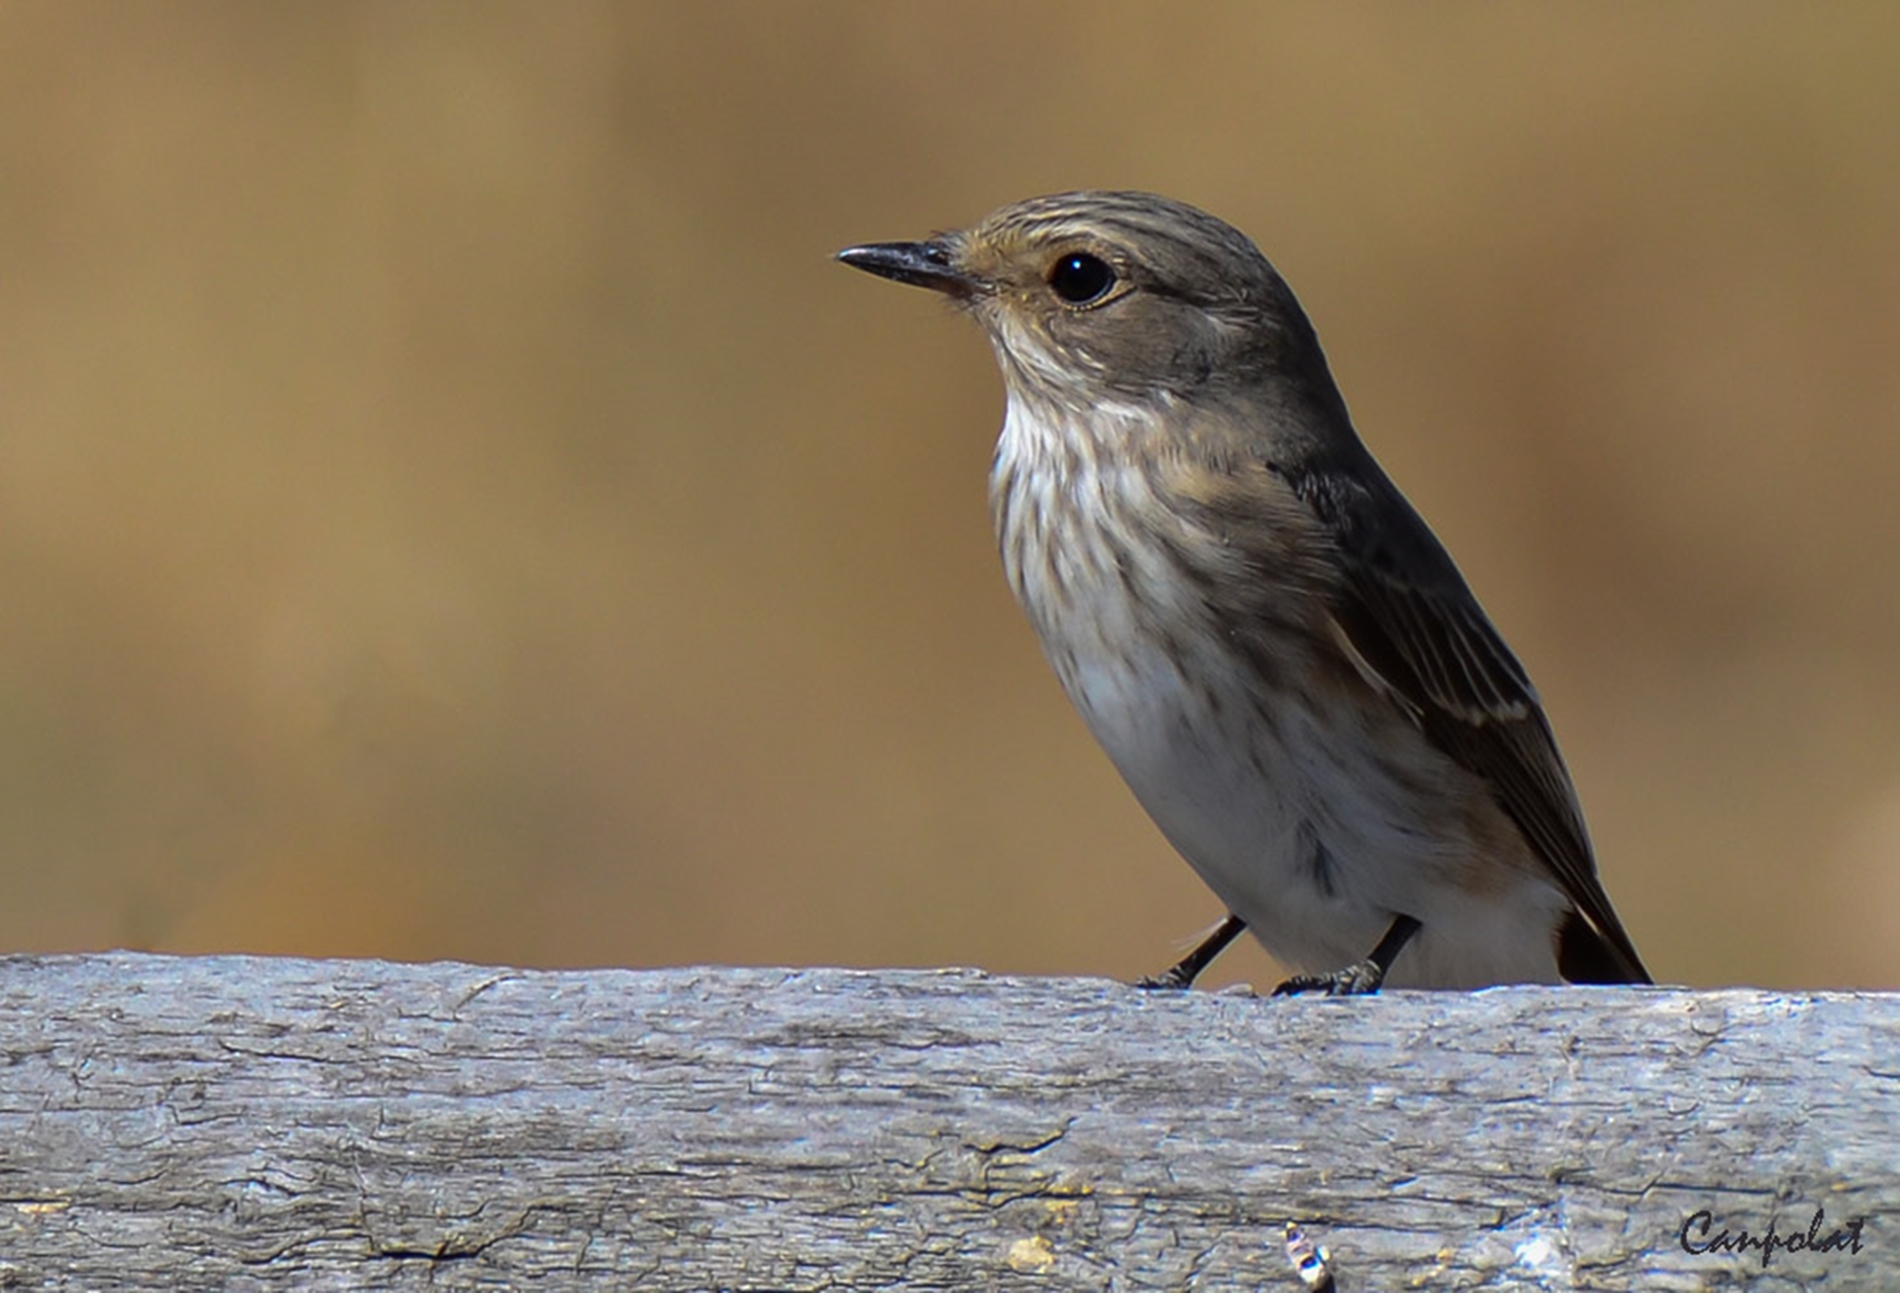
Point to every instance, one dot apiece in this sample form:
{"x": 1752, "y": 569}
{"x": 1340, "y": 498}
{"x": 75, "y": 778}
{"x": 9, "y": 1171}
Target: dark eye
{"x": 1081, "y": 279}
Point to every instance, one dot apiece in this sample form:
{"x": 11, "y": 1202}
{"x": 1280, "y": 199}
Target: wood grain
{"x": 239, "y": 1123}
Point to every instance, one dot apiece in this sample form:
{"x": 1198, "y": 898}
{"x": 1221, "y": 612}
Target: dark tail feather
{"x": 1585, "y": 956}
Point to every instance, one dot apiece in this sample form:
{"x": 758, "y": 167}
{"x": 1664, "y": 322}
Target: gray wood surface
{"x": 237, "y": 1123}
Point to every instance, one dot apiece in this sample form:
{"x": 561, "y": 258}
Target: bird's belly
{"x": 1313, "y": 808}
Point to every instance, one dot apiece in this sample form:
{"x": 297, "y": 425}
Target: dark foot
{"x": 1356, "y": 980}
{"x": 1361, "y": 977}
{"x": 1183, "y": 973}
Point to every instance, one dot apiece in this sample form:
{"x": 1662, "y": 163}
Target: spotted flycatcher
{"x": 1273, "y": 648}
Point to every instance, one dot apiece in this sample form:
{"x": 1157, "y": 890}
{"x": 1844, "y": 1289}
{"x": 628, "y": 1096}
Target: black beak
{"x": 924, "y": 264}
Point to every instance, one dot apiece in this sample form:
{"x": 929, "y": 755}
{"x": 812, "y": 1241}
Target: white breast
{"x": 1314, "y": 812}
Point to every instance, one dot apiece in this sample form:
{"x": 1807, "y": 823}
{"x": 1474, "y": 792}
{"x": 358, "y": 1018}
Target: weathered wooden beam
{"x": 239, "y": 1123}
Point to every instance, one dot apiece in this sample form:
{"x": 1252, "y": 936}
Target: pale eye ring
{"x": 1081, "y": 279}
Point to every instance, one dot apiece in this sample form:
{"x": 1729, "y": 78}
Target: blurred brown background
{"x": 451, "y": 506}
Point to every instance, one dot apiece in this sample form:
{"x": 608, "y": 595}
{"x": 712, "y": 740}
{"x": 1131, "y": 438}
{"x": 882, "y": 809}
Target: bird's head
{"x": 1111, "y": 295}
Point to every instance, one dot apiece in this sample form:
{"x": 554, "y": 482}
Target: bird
{"x": 1272, "y": 647}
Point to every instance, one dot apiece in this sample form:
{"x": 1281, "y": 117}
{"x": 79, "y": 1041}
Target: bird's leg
{"x": 1361, "y": 977}
{"x": 1183, "y": 972}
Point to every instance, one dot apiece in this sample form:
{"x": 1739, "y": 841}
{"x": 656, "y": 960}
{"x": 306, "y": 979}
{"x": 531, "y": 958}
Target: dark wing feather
{"x": 1406, "y": 610}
